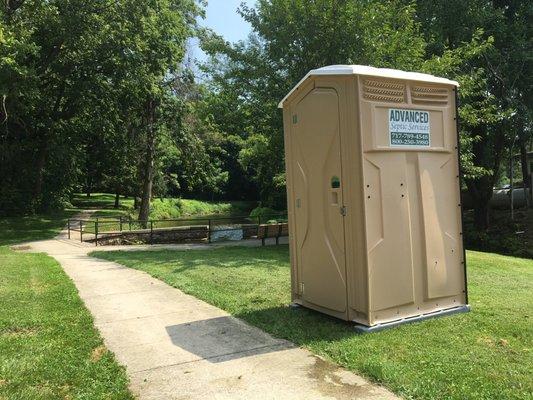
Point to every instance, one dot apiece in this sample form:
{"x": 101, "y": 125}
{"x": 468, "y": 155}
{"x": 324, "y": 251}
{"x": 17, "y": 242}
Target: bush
{"x": 182, "y": 208}
{"x": 262, "y": 212}
{"x": 166, "y": 209}
{"x": 268, "y": 215}
{"x": 504, "y": 236}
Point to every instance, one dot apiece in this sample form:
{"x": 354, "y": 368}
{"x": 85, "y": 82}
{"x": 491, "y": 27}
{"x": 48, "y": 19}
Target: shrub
{"x": 166, "y": 209}
{"x": 268, "y": 215}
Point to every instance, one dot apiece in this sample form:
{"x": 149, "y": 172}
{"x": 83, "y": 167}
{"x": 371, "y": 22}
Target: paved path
{"x": 175, "y": 346}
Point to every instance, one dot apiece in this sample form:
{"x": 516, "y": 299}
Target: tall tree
{"x": 497, "y": 105}
{"x": 289, "y": 38}
{"x": 74, "y": 70}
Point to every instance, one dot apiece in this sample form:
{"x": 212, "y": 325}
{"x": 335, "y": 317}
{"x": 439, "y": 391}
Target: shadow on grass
{"x": 256, "y": 263}
{"x": 32, "y": 228}
{"x": 100, "y": 201}
{"x": 234, "y": 257}
{"x": 300, "y": 325}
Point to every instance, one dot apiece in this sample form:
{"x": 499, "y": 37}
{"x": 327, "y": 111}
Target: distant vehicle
{"x": 502, "y": 197}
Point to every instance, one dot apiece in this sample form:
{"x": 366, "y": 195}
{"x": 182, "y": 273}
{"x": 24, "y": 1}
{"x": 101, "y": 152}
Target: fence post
{"x": 68, "y": 228}
{"x": 120, "y": 223}
{"x": 151, "y": 232}
{"x": 81, "y": 231}
{"x": 129, "y": 222}
{"x": 96, "y": 232}
{"x": 209, "y": 231}
{"x": 279, "y": 233}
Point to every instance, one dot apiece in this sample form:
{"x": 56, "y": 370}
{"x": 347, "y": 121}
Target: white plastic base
{"x": 379, "y": 327}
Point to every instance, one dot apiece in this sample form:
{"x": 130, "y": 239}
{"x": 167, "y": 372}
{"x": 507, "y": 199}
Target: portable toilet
{"x": 374, "y": 203}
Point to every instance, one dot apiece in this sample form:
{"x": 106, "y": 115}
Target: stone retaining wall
{"x": 187, "y": 234}
{"x": 184, "y": 234}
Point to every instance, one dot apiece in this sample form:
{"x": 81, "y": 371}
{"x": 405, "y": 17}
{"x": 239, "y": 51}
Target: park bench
{"x": 275, "y": 230}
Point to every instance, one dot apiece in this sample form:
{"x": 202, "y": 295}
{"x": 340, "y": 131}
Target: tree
{"x": 77, "y": 77}
{"x": 497, "y": 91}
{"x": 289, "y": 38}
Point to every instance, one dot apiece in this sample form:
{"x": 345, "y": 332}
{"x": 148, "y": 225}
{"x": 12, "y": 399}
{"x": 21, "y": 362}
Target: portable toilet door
{"x": 317, "y": 188}
{"x": 373, "y": 195}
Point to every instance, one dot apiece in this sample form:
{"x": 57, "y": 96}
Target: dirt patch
{"x": 18, "y": 331}
{"x": 98, "y": 353}
{"x": 23, "y": 247}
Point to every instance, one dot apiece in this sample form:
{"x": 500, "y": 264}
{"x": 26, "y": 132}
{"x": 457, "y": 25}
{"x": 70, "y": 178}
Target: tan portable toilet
{"x": 373, "y": 189}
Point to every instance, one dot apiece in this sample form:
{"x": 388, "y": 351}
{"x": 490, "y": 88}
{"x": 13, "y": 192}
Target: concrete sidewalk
{"x": 175, "y": 346}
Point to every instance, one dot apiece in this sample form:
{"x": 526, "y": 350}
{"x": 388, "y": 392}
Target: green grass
{"x": 160, "y": 208}
{"x": 49, "y": 348}
{"x": 484, "y": 354}
{"x": 31, "y": 228}
{"x": 180, "y": 208}
{"x": 101, "y": 201}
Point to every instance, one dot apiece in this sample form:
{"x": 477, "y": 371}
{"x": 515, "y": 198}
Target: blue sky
{"x": 222, "y": 17}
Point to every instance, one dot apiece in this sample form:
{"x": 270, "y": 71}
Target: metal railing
{"x": 199, "y": 229}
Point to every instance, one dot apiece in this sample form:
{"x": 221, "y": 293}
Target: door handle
{"x": 335, "y": 185}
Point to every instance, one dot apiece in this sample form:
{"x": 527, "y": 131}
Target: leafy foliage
{"x": 90, "y": 95}
{"x": 495, "y": 73}
{"x": 484, "y": 45}
{"x": 101, "y": 96}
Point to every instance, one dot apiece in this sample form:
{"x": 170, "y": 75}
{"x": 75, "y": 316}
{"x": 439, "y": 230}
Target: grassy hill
{"x": 161, "y": 208}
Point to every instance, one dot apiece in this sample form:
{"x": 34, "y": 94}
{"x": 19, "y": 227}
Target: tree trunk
{"x": 511, "y": 182}
{"x": 117, "y": 200}
{"x": 39, "y": 172}
{"x": 148, "y": 165}
{"x": 481, "y": 216}
{"x": 480, "y": 195}
{"x": 525, "y": 174}
{"x": 481, "y": 189}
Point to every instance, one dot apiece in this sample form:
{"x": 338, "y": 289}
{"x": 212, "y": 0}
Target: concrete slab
{"x": 175, "y": 346}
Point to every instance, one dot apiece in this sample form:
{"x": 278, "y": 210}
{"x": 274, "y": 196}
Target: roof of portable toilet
{"x": 370, "y": 71}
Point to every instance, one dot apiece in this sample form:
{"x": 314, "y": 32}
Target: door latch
{"x": 343, "y": 211}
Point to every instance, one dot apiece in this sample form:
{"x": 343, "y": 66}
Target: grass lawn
{"x": 484, "y": 354}
{"x": 49, "y": 348}
{"x": 160, "y": 208}
{"x": 37, "y": 227}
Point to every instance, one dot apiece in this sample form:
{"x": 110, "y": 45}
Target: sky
{"x": 222, "y": 17}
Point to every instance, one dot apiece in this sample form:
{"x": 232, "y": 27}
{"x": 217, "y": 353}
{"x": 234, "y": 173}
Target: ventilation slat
{"x": 385, "y": 99}
{"x": 429, "y": 95}
{"x": 386, "y": 92}
{"x": 383, "y": 91}
{"x": 430, "y": 102}
{"x": 388, "y": 85}
{"x": 420, "y": 89}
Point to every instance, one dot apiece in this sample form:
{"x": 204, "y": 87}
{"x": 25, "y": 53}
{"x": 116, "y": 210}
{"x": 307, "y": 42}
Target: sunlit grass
{"x": 49, "y": 348}
{"x": 484, "y": 354}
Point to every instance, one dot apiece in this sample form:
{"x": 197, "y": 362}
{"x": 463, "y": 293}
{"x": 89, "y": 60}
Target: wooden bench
{"x": 276, "y": 230}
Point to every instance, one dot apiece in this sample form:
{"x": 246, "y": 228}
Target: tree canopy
{"x": 484, "y": 45}
{"x": 102, "y": 95}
